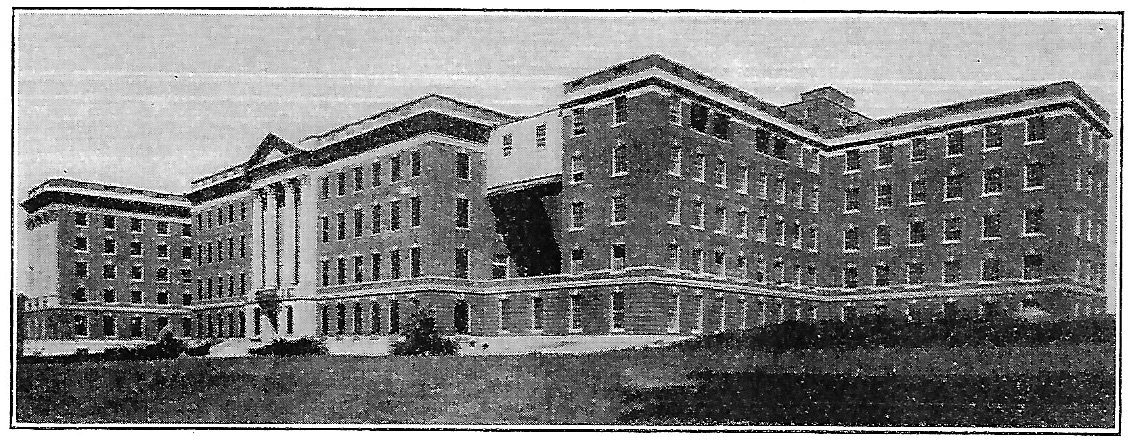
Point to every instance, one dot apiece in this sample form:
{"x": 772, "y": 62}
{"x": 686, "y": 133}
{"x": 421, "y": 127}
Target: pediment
{"x": 271, "y": 148}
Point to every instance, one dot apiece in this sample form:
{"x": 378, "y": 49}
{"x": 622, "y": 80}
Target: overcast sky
{"x": 155, "y": 100}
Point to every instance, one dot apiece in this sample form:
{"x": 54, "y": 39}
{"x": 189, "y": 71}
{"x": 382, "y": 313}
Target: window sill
{"x": 699, "y": 228}
{"x": 991, "y": 194}
{"x": 883, "y": 248}
{"x": 741, "y": 192}
{"x": 576, "y": 182}
{"x": 721, "y": 186}
{"x": 916, "y": 203}
{"x": 954, "y": 155}
{"x": 621, "y": 174}
{"x": 883, "y": 167}
{"x": 848, "y": 172}
{"x": 953, "y": 199}
{"x": 950, "y": 242}
{"x": 575, "y": 229}
{"x": 618, "y": 124}
{"x": 742, "y": 236}
{"x": 851, "y": 211}
{"x": 916, "y": 244}
{"x": 675, "y": 174}
{"x": 883, "y": 207}
{"x": 850, "y": 251}
{"x": 698, "y": 180}
{"x": 621, "y": 223}
{"x": 990, "y": 149}
{"x": 987, "y": 282}
{"x": 674, "y": 223}
{"x": 1033, "y": 188}
{"x": 1037, "y": 141}
{"x": 1033, "y": 234}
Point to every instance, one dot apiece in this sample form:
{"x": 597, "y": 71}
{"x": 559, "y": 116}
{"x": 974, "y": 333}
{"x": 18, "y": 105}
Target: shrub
{"x": 201, "y": 347}
{"x": 168, "y": 347}
{"x": 421, "y": 338}
{"x": 291, "y": 347}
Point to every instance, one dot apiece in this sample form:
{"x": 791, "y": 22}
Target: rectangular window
{"x": 1036, "y": 128}
{"x": 989, "y": 269}
{"x": 162, "y": 250}
{"x": 414, "y": 211}
{"x": 162, "y": 228}
{"x": 674, "y": 256}
{"x": 1033, "y": 220}
{"x": 395, "y": 264}
{"x": 993, "y": 136}
{"x": 109, "y": 246}
{"x": 762, "y": 141}
{"x": 675, "y": 159}
{"x": 499, "y": 266}
{"x": 109, "y": 222}
{"x": 324, "y": 191}
{"x": 674, "y": 209}
{"x": 914, "y": 271}
{"x": 135, "y": 225}
{"x": 462, "y": 213}
{"x": 507, "y": 144}
{"x": 698, "y": 211}
{"x": 781, "y": 189}
{"x": 883, "y": 236}
{"x": 954, "y": 186}
{"x": 675, "y": 116}
{"x": 376, "y": 174}
{"x": 618, "y": 256}
{"x": 718, "y": 262}
{"x": 578, "y": 124}
{"x": 953, "y": 229}
{"x": 463, "y": 170}
{"x": 884, "y": 155}
{"x": 461, "y": 257}
{"x": 136, "y": 272}
{"x": 849, "y": 276}
{"x": 109, "y": 328}
{"x": 1032, "y": 266}
{"x": 720, "y": 173}
{"x": 951, "y": 273}
{"x": 341, "y": 270}
{"x": 619, "y": 159}
{"x": 537, "y": 313}
{"x": 917, "y": 191}
{"x": 414, "y": 262}
{"x": 852, "y": 203}
{"x": 618, "y": 209}
{"x": 359, "y": 269}
{"x": 415, "y": 163}
{"x": 577, "y": 168}
{"x": 720, "y": 126}
{"x": 324, "y": 270}
{"x": 884, "y": 195}
{"x": 576, "y": 260}
{"x": 80, "y": 243}
{"x": 917, "y": 233}
{"x": 741, "y": 223}
{"x": 577, "y": 215}
{"x": 81, "y": 219}
{"x": 324, "y": 229}
{"x": 881, "y": 275}
{"x": 341, "y": 222}
{"x": 341, "y": 183}
{"x": 359, "y": 180}
{"x": 620, "y": 111}
{"x": 991, "y": 228}
{"x": 541, "y": 136}
{"x": 853, "y": 160}
{"x": 81, "y": 269}
{"x": 575, "y": 313}
{"x": 375, "y": 219}
{"x": 993, "y": 180}
{"x": 780, "y": 148}
{"x": 761, "y": 228}
{"x": 394, "y": 168}
{"x": 721, "y": 219}
{"x": 394, "y": 215}
{"x": 698, "y": 117}
{"x": 699, "y": 165}
{"x": 851, "y": 239}
{"x": 741, "y": 173}
{"x": 797, "y": 194}
{"x": 375, "y": 266}
{"x": 617, "y": 310}
{"x": 698, "y": 260}
{"x": 955, "y": 143}
{"x": 359, "y": 223}
{"x": 918, "y": 150}
{"x": 1033, "y": 175}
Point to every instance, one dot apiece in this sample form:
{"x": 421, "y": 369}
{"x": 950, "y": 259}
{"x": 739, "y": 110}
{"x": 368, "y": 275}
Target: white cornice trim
{"x": 110, "y": 194}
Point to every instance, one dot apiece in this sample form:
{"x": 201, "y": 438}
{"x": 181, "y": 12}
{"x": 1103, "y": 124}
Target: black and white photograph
{"x": 580, "y": 220}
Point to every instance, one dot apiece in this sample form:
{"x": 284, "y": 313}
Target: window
{"x": 375, "y": 266}
{"x": 499, "y": 266}
{"x": 80, "y": 294}
{"x": 394, "y": 168}
{"x": 577, "y": 215}
{"x": 324, "y": 270}
{"x": 781, "y": 189}
{"x": 917, "y": 191}
{"x": 578, "y": 125}
{"x": 414, "y": 262}
{"x": 881, "y": 274}
{"x": 762, "y": 141}
{"x": 993, "y": 181}
{"x": 718, "y": 259}
{"x": 162, "y": 250}
{"x": 109, "y": 246}
{"x": 341, "y": 183}
{"x": 186, "y": 230}
{"x": 953, "y": 229}
{"x": 540, "y": 136}
{"x": 814, "y": 198}
{"x": 918, "y": 150}
{"x": 674, "y": 321}
{"x": 993, "y": 136}
{"x": 850, "y": 276}
{"x": 324, "y": 229}
{"x": 741, "y": 266}
{"x": 415, "y": 163}
{"x": 414, "y": 211}
{"x": 674, "y": 209}
{"x": 162, "y": 228}
{"x": 761, "y": 228}
{"x": 851, "y": 202}
{"x": 1033, "y": 175}
{"x": 577, "y": 168}
{"x": 780, "y": 231}
{"x": 324, "y": 192}
{"x": 341, "y": 270}
{"x": 136, "y": 272}
{"x": 883, "y": 236}
{"x": 617, "y": 310}
{"x": 1033, "y": 221}
{"x": 186, "y": 276}
{"x": 699, "y": 166}
{"x": 780, "y": 148}
{"x": 698, "y": 211}
{"x": 359, "y": 269}
{"x": 576, "y": 257}
{"x": 675, "y": 110}
{"x": 359, "y": 181}
{"x": 742, "y": 174}
{"x": 991, "y": 227}
{"x": 1036, "y": 129}
{"x": 395, "y": 264}
{"x": 917, "y": 233}
{"x": 109, "y": 271}
{"x": 741, "y": 223}
{"x": 574, "y": 319}
{"x": 108, "y": 222}
{"x": 618, "y": 210}
{"x": 162, "y": 275}
{"x": 796, "y": 235}
{"x": 375, "y": 218}
{"x": 80, "y": 243}
{"x": 536, "y": 313}
{"x": 135, "y": 225}
{"x": 109, "y": 328}
{"x": 851, "y": 239}
{"x": 914, "y": 271}
{"x": 814, "y": 160}
{"x": 721, "y": 219}
{"x": 675, "y": 159}
{"x": 341, "y": 222}
{"x": 619, "y": 110}
{"x": 376, "y": 174}
{"x": 884, "y": 195}
{"x": 955, "y": 143}
{"x": 698, "y": 260}
{"x": 951, "y": 271}
{"x": 797, "y": 194}
{"x": 618, "y": 256}
{"x": 720, "y": 173}
{"x": 698, "y": 322}
{"x": 462, "y": 164}
{"x": 720, "y": 125}
{"x": 619, "y": 159}
{"x": 884, "y": 155}
{"x": 462, "y": 213}
{"x": 1032, "y": 266}
{"x": 698, "y": 117}
{"x": 461, "y": 257}
{"x": 853, "y": 160}
{"x": 394, "y": 215}
{"x": 760, "y": 269}
{"x": 80, "y": 326}
{"x": 674, "y": 256}
{"x": 81, "y": 219}
{"x": 108, "y": 295}
{"x": 954, "y": 186}
{"x": 136, "y": 296}
{"x": 814, "y": 237}
{"x": 989, "y": 269}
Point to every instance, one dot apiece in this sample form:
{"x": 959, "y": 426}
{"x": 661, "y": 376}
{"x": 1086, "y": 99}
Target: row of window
{"x": 110, "y": 223}
{"x": 224, "y": 214}
{"x": 916, "y": 273}
{"x": 137, "y": 296}
{"x": 462, "y": 219}
{"x": 137, "y": 272}
{"x": 954, "y": 144}
{"x": 205, "y": 250}
{"x": 136, "y": 327}
{"x": 110, "y": 247}
{"x": 357, "y": 175}
{"x": 540, "y": 140}
{"x": 358, "y": 271}
{"x": 205, "y": 286}
{"x": 952, "y": 227}
{"x": 954, "y": 183}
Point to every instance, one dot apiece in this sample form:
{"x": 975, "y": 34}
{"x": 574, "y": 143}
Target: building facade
{"x": 653, "y": 199}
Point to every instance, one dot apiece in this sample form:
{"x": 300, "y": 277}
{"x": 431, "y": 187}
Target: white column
{"x": 258, "y": 281}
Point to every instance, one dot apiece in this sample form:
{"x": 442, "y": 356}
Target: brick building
{"x": 653, "y": 199}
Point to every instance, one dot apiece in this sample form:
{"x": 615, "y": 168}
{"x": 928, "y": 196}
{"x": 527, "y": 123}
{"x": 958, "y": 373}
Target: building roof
{"x": 431, "y": 100}
{"x": 48, "y": 192}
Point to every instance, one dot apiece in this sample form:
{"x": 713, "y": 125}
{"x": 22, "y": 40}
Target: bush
{"x": 169, "y": 347}
{"x": 291, "y": 347}
{"x": 201, "y": 347}
{"x": 421, "y": 338}
{"x": 889, "y": 331}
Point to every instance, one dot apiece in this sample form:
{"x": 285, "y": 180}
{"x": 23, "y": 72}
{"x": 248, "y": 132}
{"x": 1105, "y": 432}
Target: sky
{"x": 155, "y": 100}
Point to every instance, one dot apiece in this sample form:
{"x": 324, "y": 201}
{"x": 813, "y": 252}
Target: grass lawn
{"x": 1058, "y": 386}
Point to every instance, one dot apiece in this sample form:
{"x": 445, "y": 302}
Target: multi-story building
{"x": 653, "y": 199}
{"x": 108, "y": 261}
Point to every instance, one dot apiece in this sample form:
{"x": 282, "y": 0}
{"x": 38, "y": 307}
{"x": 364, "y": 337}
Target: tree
{"x": 421, "y": 337}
